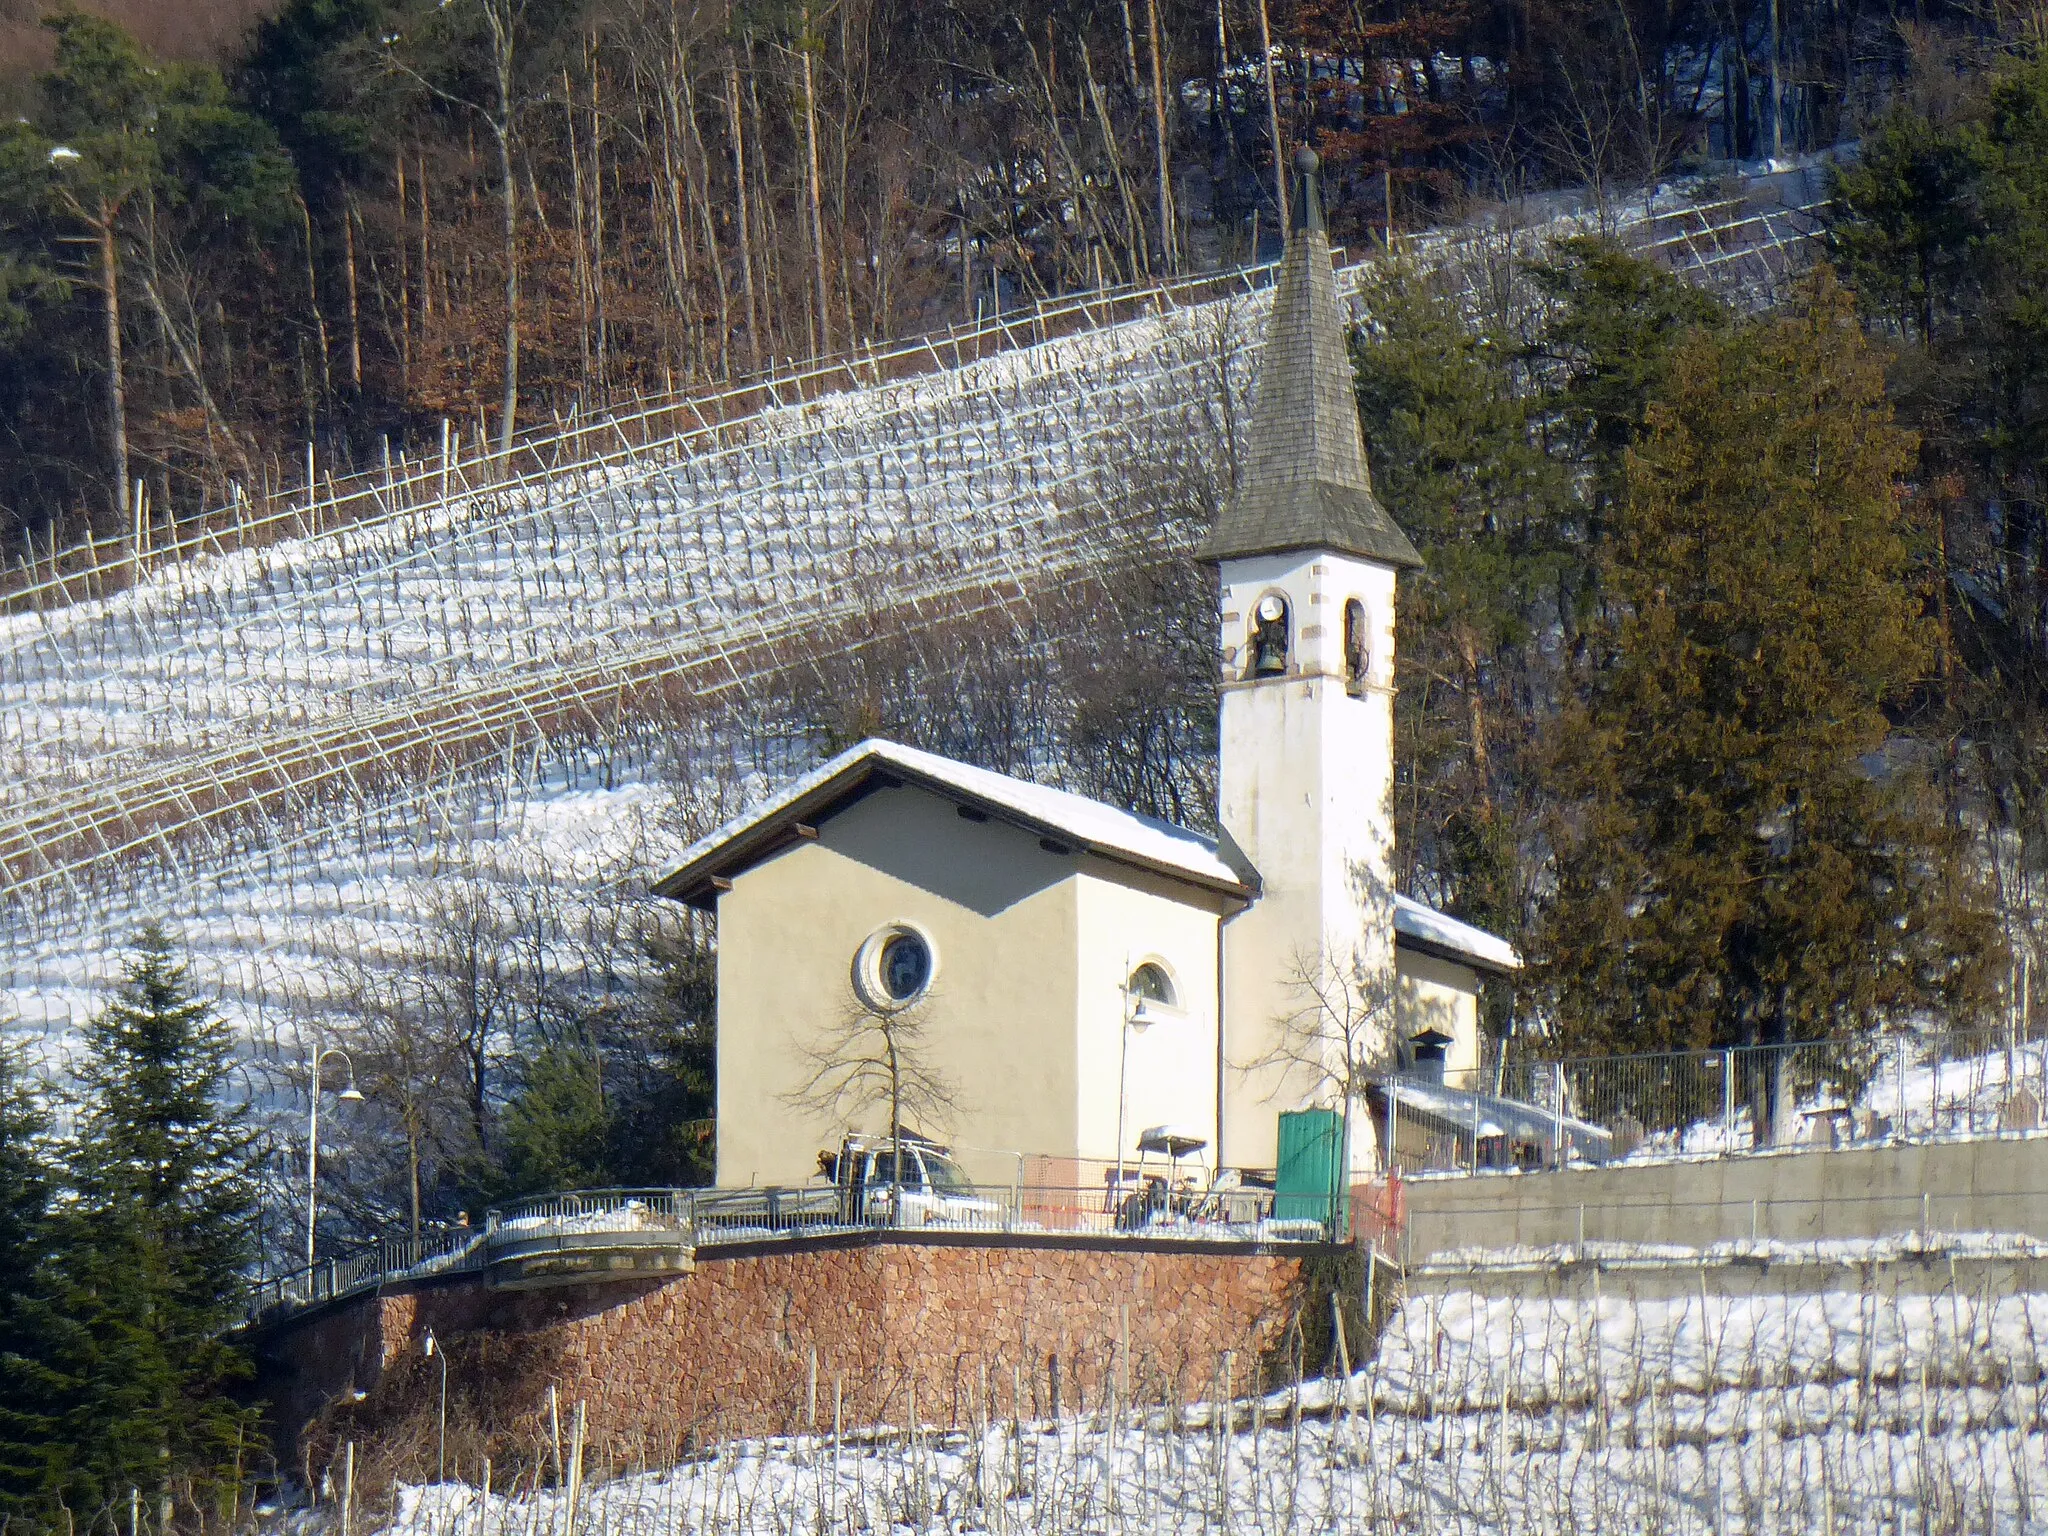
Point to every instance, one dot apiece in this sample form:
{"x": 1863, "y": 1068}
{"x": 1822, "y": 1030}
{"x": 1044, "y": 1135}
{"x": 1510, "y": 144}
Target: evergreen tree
{"x": 1449, "y": 416}
{"x": 619, "y": 1090}
{"x": 1499, "y": 443}
{"x": 1742, "y": 855}
{"x": 26, "y": 1433}
{"x": 134, "y": 177}
{"x": 661, "y": 1065}
{"x": 1942, "y": 228}
{"x": 150, "y": 1254}
{"x": 556, "y": 1133}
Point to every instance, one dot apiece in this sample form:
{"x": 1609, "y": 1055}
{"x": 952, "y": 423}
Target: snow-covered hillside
{"x": 228, "y": 732}
{"x": 271, "y": 749}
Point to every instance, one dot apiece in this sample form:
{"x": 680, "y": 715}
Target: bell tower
{"x": 1308, "y": 560}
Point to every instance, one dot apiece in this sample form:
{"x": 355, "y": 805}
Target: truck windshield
{"x": 945, "y": 1178}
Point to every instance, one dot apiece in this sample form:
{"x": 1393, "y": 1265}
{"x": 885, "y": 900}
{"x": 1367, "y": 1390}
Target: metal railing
{"x": 364, "y": 1269}
{"x": 579, "y": 1221}
{"x": 1857, "y": 1091}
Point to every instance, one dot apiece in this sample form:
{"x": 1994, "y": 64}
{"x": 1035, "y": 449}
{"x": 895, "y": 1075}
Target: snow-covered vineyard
{"x": 1877, "y": 1410}
{"x": 263, "y": 744}
{"x": 269, "y": 748}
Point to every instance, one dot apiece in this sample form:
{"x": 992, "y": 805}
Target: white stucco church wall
{"x": 1024, "y": 1014}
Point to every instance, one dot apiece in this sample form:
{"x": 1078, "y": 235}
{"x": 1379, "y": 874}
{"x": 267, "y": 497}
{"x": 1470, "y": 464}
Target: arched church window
{"x": 1269, "y": 637}
{"x": 1357, "y": 655}
{"x": 1150, "y": 984}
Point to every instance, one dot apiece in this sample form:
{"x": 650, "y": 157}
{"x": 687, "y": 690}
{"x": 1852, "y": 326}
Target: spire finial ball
{"x": 1306, "y": 160}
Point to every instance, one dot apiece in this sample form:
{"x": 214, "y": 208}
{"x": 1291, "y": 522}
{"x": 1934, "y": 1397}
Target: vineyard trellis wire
{"x": 1654, "y": 1401}
{"x": 1010, "y": 501}
{"x": 1759, "y": 246}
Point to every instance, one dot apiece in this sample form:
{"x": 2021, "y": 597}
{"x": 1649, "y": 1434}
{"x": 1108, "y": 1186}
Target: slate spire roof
{"x": 1304, "y": 483}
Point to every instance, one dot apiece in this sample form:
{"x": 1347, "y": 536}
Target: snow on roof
{"x": 1121, "y": 835}
{"x": 1428, "y": 929}
{"x": 1102, "y": 829}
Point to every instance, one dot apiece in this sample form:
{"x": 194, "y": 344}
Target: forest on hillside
{"x": 369, "y": 215}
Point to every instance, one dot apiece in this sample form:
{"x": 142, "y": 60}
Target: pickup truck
{"x": 871, "y": 1181}
{"x": 904, "y": 1181}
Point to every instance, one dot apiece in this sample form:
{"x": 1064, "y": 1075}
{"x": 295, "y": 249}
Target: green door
{"x": 1309, "y": 1183}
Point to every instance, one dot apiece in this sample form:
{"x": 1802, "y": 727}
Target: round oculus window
{"x": 906, "y": 967}
{"x": 894, "y": 969}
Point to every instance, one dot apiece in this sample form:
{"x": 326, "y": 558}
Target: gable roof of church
{"x": 1056, "y": 815}
{"x": 1075, "y": 821}
{"x": 1304, "y": 483}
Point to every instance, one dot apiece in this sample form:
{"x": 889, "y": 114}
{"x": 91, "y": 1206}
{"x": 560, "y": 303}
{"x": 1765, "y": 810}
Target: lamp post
{"x": 441, "y": 1355}
{"x": 1134, "y": 1018}
{"x": 347, "y": 1095}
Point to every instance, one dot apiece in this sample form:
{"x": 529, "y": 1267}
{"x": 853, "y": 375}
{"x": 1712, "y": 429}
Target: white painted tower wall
{"x": 1306, "y": 796}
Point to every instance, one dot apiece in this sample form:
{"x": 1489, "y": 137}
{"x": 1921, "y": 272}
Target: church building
{"x": 1074, "y": 973}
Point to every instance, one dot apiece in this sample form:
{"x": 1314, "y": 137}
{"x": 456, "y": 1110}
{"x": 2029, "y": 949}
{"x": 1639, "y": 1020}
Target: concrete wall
{"x": 1932, "y": 1273}
{"x": 1993, "y": 1185}
{"x": 728, "y": 1349}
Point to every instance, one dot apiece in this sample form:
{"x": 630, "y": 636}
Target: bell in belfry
{"x": 1269, "y": 637}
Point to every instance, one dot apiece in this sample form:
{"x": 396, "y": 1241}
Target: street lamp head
{"x": 430, "y": 1344}
{"x": 350, "y": 1095}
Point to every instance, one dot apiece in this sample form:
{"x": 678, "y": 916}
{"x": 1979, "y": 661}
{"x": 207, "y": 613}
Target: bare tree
{"x": 94, "y": 187}
{"x": 411, "y": 1074}
{"x": 504, "y": 21}
{"x": 473, "y": 976}
{"x": 876, "y": 1058}
{"x": 1339, "y": 1038}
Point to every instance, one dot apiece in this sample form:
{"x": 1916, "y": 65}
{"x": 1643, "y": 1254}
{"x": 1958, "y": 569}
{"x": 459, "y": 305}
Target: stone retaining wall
{"x": 957, "y": 1326}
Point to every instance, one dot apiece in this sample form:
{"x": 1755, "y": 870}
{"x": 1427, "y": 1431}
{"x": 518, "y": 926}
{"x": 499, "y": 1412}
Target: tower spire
{"x": 1305, "y": 484}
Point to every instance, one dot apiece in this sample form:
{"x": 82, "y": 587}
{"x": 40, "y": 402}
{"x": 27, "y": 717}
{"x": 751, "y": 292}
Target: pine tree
{"x": 556, "y": 1133}
{"x": 660, "y": 1067}
{"x": 1743, "y": 855}
{"x": 1499, "y": 442}
{"x": 1448, "y": 417}
{"x": 150, "y": 1254}
{"x": 26, "y": 1433}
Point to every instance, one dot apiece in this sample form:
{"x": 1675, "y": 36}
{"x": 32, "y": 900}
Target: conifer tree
{"x": 150, "y": 1255}
{"x": 1499, "y": 441}
{"x": 1743, "y": 855}
{"x": 26, "y": 1434}
{"x": 556, "y": 1133}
